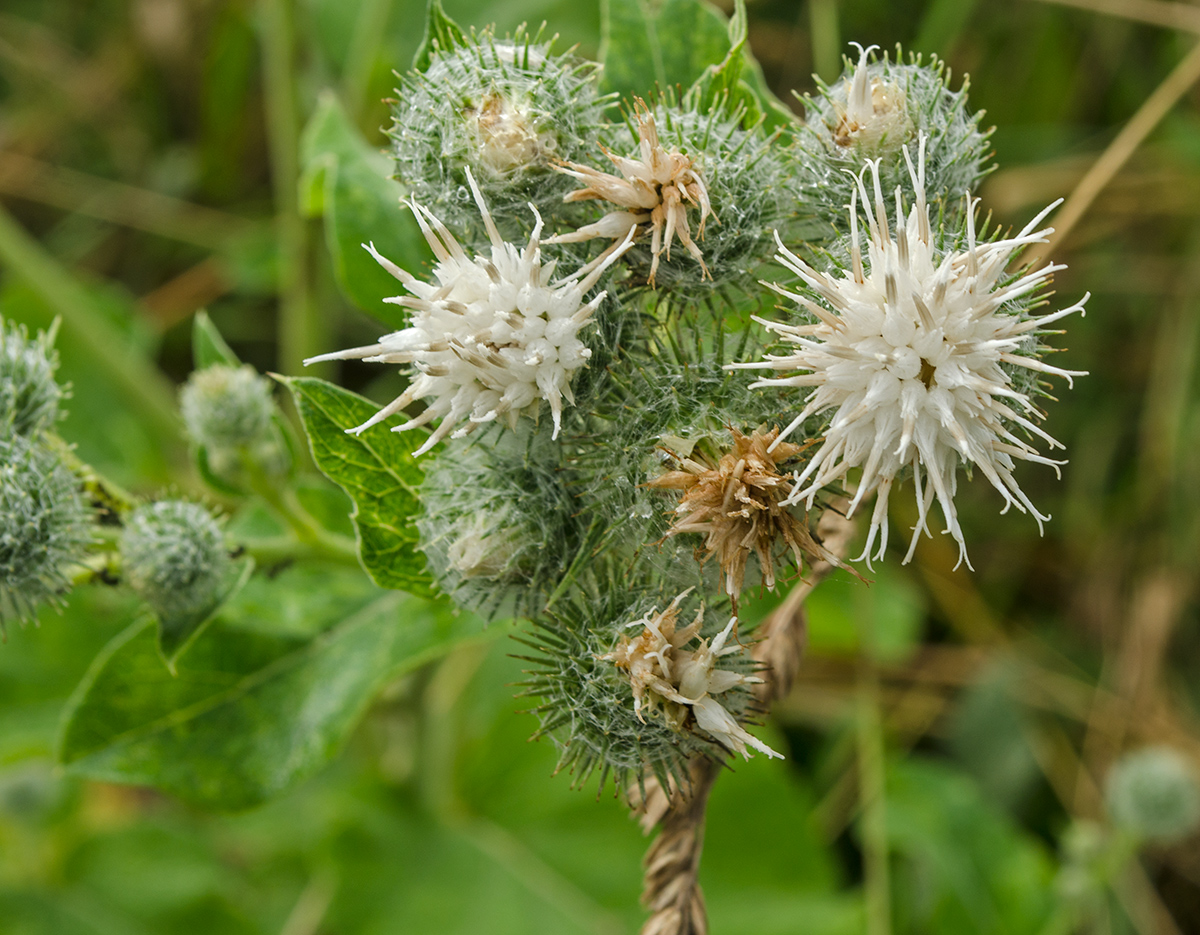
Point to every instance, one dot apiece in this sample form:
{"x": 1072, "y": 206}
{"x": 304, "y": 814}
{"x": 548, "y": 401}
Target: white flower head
{"x": 913, "y": 350}
{"x": 492, "y": 338}
{"x": 662, "y": 671}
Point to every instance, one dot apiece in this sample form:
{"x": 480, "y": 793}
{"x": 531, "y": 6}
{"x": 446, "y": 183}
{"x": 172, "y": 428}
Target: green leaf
{"x": 738, "y": 80}
{"x": 249, "y": 712}
{"x": 659, "y": 44}
{"x": 441, "y": 32}
{"x": 176, "y": 631}
{"x": 208, "y": 347}
{"x": 347, "y": 182}
{"x": 377, "y": 471}
{"x": 962, "y": 865}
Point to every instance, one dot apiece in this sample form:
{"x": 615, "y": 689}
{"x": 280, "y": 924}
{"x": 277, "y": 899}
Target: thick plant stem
{"x": 671, "y": 888}
{"x": 300, "y": 327}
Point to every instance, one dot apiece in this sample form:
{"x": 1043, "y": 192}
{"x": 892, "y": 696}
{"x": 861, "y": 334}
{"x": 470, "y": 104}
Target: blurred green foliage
{"x": 136, "y": 173}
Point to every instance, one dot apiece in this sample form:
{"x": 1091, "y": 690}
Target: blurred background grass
{"x": 139, "y": 144}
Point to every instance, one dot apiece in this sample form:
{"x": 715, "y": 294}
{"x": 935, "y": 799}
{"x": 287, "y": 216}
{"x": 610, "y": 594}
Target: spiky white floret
{"x": 492, "y": 338}
{"x": 913, "y": 351}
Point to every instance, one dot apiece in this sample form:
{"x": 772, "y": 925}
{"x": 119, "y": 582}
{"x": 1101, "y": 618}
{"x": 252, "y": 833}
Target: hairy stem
{"x": 671, "y": 890}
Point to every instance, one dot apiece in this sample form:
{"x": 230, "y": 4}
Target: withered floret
{"x": 655, "y": 192}
{"x": 737, "y": 505}
{"x": 684, "y": 681}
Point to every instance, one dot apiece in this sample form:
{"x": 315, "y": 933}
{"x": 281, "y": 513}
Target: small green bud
{"x": 227, "y": 407}
{"x": 229, "y": 412}
{"x": 174, "y": 556}
{"x": 29, "y": 396}
{"x": 874, "y": 110}
{"x": 504, "y": 108}
{"x": 1153, "y": 792}
{"x": 44, "y": 528}
{"x": 496, "y": 544}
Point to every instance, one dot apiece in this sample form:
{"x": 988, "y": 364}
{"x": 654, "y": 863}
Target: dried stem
{"x": 1140, "y": 125}
{"x": 671, "y": 890}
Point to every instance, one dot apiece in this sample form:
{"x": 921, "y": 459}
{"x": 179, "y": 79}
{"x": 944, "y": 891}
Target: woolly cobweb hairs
{"x": 917, "y": 350}
{"x": 493, "y": 338}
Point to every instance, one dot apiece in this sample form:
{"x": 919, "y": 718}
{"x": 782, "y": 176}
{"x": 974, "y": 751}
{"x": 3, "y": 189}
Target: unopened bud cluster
{"x": 506, "y": 109}
{"x": 229, "y": 414}
{"x": 44, "y": 527}
{"x": 878, "y": 107}
{"x": 174, "y": 556}
{"x": 29, "y": 395}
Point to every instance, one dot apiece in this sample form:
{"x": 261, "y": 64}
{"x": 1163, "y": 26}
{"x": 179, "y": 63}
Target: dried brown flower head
{"x": 655, "y": 192}
{"x": 737, "y": 505}
{"x": 684, "y": 681}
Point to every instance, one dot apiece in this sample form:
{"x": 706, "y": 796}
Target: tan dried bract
{"x": 737, "y": 505}
{"x": 654, "y": 191}
{"x": 685, "y": 681}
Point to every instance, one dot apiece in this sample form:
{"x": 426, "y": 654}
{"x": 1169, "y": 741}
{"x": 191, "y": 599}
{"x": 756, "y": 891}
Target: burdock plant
{"x": 608, "y": 432}
{"x": 597, "y": 461}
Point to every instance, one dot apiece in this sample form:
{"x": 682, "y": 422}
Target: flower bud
{"x": 1153, "y": 792}
{"x": 601, "y": 692}
{"x": 506, "y": 109}
{"x": 871, "y": 112}
{"x": 496, "y": 543}
{"x": 29, "y": 397}
{"x": 174, "y": 556}
{"x": 229, "y": 412}
{"x": 43, "y": 528}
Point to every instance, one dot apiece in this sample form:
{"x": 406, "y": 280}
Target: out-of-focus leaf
{"x": 348, "y": 183}
{"x": 989, "y": 734}
{"x": 208, "y": 347}
{"x": 441, "y": 32}
{"x": 378, "y": 472}
{"x": 176, "y": 631}
{"x": 891, "y": 609}
{"x": 247, "y": 714}
{"x": 660, "y": 44}
{"x": 964, "y": 867}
